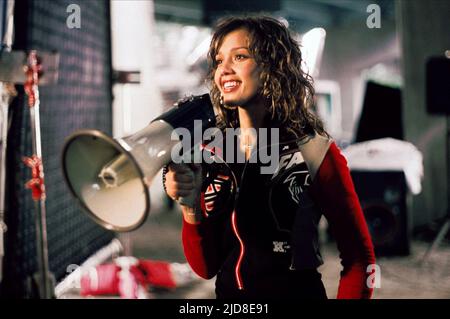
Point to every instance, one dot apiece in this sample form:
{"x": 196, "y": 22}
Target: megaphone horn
{"x": 110, "y": 177}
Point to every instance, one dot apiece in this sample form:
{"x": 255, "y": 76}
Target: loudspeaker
{"x": 383, "y": 196}
{"x": 438, "y": 85}
{"x": 110, "y": 177}
{"x": 380, "y": 100}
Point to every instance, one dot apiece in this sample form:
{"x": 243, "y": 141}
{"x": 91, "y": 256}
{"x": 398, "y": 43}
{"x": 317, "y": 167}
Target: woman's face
{"x": 237, "y": 74}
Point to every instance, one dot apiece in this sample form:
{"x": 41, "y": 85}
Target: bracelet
{"x": 164, "y": 172}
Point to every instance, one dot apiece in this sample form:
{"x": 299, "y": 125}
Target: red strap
{"x": 36, "y": 183}
{"x": 32, "y": 71}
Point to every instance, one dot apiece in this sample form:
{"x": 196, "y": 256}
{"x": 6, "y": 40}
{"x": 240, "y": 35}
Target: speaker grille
{"x": 81, "y": 99}
{"x": 382, "y": 222}
{"x": 383, "y": 198}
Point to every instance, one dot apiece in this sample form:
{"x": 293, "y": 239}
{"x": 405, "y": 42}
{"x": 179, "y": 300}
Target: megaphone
{"x": 110, "y": 177}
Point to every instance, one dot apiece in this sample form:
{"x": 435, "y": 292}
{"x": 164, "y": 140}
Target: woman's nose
{"x": 226, "y": 67}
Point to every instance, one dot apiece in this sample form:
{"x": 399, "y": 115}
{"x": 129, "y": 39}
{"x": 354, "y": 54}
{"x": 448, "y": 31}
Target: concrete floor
{"x": 403, "y": 277}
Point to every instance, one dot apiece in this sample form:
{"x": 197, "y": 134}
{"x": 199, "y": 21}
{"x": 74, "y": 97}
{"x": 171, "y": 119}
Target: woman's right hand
{"x": 183, "y": 183}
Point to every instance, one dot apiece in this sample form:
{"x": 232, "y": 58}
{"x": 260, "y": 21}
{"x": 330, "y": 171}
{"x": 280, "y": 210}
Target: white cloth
{"x": 388, "y": 154}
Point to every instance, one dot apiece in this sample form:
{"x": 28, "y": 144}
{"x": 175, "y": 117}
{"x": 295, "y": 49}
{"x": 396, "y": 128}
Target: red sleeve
{"x": 202, "y": 247}
{"x": 334, "y": 192}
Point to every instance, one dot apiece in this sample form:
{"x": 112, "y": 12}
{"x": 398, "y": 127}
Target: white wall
{"x": 132, "y": 32}
{"x": 350, "y": 52}
{"x": 425, "y": 32}
{"x": 135, "y": 105}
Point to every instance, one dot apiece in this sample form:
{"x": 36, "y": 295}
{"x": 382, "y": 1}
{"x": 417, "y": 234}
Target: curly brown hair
{"x": 287, "y": 87}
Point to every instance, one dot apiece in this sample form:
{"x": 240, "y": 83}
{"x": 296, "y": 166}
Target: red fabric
{"x": 334, "y": 192}
{"x": 130, "y": 283}
{"x": 104, "y": 280}
{"x": 200, "y": 248}
{"x": 107, "y": 280}
{"x": 157, "y": 273}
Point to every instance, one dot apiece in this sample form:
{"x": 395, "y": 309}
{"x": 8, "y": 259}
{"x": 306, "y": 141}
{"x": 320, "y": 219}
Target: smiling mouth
{"x": 230, "y": 86}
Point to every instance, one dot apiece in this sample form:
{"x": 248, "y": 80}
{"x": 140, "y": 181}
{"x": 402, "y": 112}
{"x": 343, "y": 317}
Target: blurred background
{"x": 382, "y": 81}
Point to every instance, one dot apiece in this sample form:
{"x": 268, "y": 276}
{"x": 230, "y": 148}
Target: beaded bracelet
{"x": 164, "y": 172}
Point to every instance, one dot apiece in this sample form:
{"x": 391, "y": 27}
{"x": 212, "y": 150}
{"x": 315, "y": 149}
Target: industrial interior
{"x": 381, "y": 71}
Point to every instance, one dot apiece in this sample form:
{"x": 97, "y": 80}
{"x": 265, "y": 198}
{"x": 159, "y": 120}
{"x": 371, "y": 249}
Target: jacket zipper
{"x": 237, "y": 269}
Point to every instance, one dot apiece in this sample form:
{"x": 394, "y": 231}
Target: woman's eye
{"x": 239, "y": 57}
{"x": 218, "y": 61}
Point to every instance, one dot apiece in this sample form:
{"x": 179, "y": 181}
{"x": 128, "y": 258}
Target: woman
{"x": 266, "y": 244}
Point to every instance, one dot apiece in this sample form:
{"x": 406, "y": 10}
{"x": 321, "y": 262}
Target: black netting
{"x": 81, "y": 99}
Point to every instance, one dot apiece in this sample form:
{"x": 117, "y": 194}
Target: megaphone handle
{"x": 191, "y": 199}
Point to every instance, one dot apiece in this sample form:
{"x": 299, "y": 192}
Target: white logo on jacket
{"x": 287, "y": 161}
{"x": 280, "y": 246}
{"x": 294, "y": 179}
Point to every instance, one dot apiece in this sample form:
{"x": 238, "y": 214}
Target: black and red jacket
{"x": 271, "y": 230}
